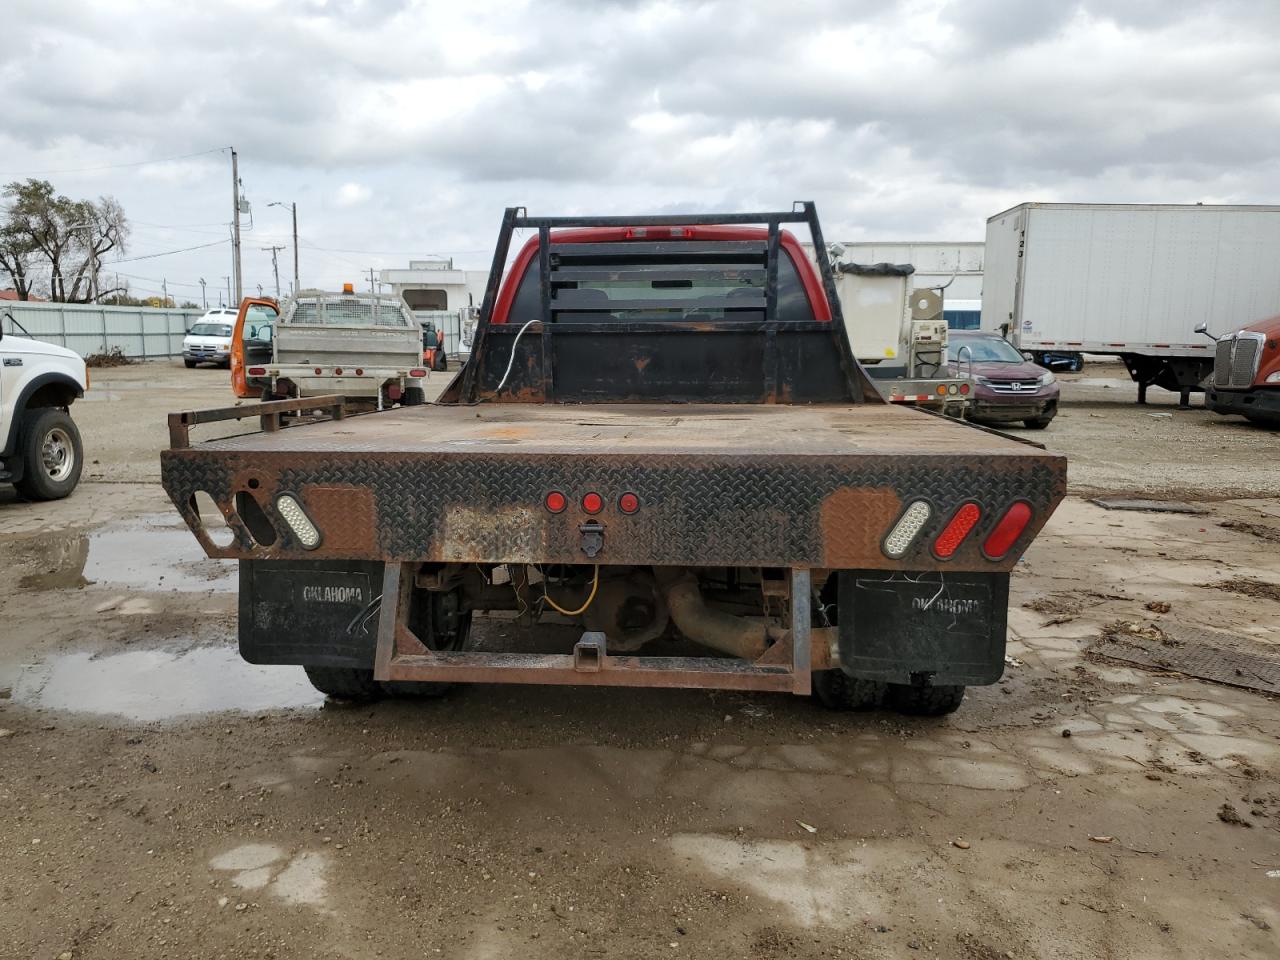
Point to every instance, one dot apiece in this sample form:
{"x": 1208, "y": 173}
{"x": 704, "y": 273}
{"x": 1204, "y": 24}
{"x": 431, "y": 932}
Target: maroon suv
{"x": 1006, "y": 385}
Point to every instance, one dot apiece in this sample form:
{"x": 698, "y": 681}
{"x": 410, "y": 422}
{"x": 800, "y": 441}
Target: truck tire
{"x": 345, "y": 683}
{"x": 1038, "y": 423}
{"x": 421, "y": 622}
{"x": 925, "y": 701}
{"x": 52, "y": 454}
{"x": 189, "y": 364}
{"x": 413, "y": 397}
{"x": 836, "y": 691}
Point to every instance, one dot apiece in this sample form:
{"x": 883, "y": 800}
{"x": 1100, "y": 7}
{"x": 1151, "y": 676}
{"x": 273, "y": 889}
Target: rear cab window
{"x": 671, "y": 284}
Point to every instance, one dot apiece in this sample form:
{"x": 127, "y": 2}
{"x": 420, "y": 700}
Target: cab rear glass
{"x": 672, "y": 284}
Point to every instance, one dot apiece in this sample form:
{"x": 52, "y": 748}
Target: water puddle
{"x": 152, "y": 685}
{"x": 149, "y": 553}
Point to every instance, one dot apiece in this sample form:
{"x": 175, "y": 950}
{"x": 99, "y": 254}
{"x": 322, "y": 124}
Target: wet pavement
{"x": 151, "y": 553}
{"x": 157, "y": 685}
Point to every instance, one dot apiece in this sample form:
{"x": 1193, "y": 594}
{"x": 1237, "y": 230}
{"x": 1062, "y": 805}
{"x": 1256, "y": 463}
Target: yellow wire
{"x": 595, "y": 585}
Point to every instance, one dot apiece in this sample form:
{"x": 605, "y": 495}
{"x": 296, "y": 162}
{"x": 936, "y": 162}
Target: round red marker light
{"x": 628, "y": 503}
{"x": 317, "y": 371}
{"x": 593, "y": 503}
{"x": 359, "y": 372}
{"x": 556, "y": 501}
{"x": 337, "y": 372}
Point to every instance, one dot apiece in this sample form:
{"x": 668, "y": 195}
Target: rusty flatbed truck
{"x": 662, "y": 437}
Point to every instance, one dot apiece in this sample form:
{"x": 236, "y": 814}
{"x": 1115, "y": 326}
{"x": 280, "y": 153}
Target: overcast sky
{"x": 403, "y": 128}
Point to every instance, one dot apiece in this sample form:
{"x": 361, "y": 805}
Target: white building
{"x": 434, "y": 285}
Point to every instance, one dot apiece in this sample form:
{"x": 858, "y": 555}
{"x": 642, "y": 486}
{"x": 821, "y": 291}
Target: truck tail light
{"x": 593, "y": 503}
{"x": 1007, "y": 531}
{"x": 907, "y": 528}
{"x": 555, "y": 501}
{"x": 417, "y": 374}
{"x": 628, "y": 503}
{"x": 291, "y": 510}
{"x": 956, "y": 530}
{"x": 257, "y": 371}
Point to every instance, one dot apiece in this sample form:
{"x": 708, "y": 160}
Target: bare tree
{"x": 68, "y": 236}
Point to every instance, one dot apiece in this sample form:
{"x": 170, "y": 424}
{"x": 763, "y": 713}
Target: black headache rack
{"x": 574, "y": 344}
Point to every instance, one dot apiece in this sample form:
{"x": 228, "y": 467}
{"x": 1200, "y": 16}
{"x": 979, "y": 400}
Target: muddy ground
{"x": 159, "y": 798}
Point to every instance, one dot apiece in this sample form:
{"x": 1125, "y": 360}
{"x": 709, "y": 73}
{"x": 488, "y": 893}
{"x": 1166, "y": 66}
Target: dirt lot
{"x": 159, "y": 798}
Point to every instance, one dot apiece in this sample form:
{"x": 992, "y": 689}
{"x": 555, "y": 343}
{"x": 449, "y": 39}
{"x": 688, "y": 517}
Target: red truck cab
{"x": 1246, "y": 373}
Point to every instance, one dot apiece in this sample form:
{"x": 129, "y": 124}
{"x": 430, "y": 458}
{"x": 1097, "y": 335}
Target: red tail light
{"x": 628, "y": 503}
{"x": 1007, "y": 531}
{"x": 593, "y": 503}
{"x": 337, "y": 371}
{"x": 555, "y": 501}
{"x": 417, "y": 374}
{"x": 953, "y": 534}
{"x": 318, "y": 371}
{"x": 257, "y": 371}
{"x": 359, "y": 372}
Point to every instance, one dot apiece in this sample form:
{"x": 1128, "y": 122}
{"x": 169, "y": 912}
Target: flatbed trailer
{"x": 773, "y": 510}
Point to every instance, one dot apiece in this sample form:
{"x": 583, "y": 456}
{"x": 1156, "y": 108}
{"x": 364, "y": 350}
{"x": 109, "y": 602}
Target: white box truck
{"x": 1131, "y": 280}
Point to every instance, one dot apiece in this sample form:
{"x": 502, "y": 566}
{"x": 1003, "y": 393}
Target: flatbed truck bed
{"x": 682, "y": 448}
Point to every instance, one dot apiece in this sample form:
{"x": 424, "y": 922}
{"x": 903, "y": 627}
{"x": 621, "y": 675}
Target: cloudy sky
{"x": 402, "y": 128}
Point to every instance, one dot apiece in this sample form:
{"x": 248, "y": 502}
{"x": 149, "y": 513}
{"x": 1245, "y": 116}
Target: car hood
{"x": 1001, "y": 371}
{"x": 29, "y": 348}
{"x": 195, "y": 339}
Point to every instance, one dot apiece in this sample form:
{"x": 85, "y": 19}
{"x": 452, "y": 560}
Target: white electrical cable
{"x": 514, "y": 344}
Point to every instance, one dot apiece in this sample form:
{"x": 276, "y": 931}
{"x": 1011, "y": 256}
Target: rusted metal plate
{"x": 751, "y": 486}
{"x": 1193, "y": 652}
{"x": 550, "y": 668}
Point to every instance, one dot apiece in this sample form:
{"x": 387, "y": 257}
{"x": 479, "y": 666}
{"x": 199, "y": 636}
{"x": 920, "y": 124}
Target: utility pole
{"x": 164, "y": 288}
{"x": 275, "y": 269}
{"x": 204, "y": 300}
{"x": 228, "y": 279}
{"x": 372, "y": 288}
{"x": 235, "y": 227}
{"x": 294, "y": 208}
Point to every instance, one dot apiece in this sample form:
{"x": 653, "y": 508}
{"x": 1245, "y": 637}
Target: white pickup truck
{"x": 41, "y": 455}
{"x": 366, "y": 347}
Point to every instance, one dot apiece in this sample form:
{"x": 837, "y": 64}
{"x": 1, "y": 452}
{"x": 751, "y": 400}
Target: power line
{"x": 166, "y": 253}
{"x": 110, "y": 166}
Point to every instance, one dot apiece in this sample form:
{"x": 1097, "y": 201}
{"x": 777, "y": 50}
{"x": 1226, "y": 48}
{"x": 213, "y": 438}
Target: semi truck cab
{"x": 1246, "y": 372}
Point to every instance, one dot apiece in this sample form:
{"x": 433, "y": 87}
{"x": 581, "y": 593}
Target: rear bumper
{"x": 816, "y": 511}
{"x": 1260, "y": 403}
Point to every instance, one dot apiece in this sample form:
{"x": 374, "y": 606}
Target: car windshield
{"x": 210, "y": 330}
{"x": 983, "y": 350}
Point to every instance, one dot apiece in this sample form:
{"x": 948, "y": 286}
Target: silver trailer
{"x": 1131, "y": 280}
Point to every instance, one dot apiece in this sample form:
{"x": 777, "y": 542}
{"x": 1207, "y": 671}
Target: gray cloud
{"x": 910, "y": 119}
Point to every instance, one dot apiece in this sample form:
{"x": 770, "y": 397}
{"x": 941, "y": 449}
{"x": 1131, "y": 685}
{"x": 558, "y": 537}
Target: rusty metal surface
{"x": 268, "y": 414}
{"x": 1199, "y": 654}
{"x": 755, "y": 486}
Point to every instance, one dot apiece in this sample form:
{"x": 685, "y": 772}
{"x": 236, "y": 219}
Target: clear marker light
{"x": 298, "y": 521}
{"x": 908, "y": 527}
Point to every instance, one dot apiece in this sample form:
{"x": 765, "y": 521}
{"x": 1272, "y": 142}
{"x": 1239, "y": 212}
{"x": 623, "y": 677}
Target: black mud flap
{"x": 312, "y": 612}
{"x": 923, "y": 628}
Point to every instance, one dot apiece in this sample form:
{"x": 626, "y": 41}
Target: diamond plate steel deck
{"x": 743, "y": 486}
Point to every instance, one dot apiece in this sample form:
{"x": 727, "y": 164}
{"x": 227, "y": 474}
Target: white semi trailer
{"x": 1131, "y": 280}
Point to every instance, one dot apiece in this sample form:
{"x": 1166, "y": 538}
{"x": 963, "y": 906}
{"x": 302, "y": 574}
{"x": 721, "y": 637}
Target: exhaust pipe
{"x": 713, "y": 628}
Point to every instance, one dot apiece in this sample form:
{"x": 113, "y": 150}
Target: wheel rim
{"x": 58, "y": 455}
